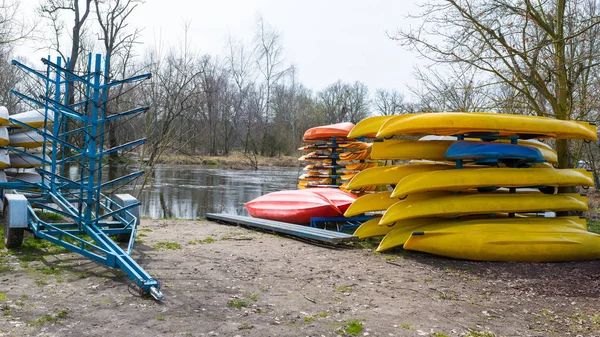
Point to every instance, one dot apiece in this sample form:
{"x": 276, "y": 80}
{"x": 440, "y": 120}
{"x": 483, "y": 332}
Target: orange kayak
{"x": 328, "y": 131}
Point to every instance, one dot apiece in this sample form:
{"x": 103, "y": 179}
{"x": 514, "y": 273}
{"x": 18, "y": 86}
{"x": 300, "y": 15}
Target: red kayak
{"x": 328, "y": 131}
{"x": 341, "y": 199}
{"x": 294, "y": 206}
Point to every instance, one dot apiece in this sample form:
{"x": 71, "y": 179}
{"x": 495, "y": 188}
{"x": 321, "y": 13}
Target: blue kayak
{"x": 493, "y": 153}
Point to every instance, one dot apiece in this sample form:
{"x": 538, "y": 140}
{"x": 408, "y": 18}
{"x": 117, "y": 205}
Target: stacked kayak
{"x": 477, "y": 187}
{"x": 23, "y": 146}
{"x": 332, "y": 158}
{"x": 299, "y": 206}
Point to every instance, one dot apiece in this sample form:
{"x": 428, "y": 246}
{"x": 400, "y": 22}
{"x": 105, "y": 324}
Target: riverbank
{"x": 221, "y": 280}
{"x": 236, "y": 160}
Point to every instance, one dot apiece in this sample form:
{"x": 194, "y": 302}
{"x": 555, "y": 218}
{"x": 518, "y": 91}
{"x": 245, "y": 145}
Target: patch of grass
{"x": 354, "y": 327}
{"x": 343, "y": 289}
{"x": 167, "y": 245}
{"x": 159, "y": 318}
{"x": 437, "y": 334}
{"x": 406, "y": 326}
{"x": 237, "y": 303}
{"x": 207, "y": 240}
{"x": 391, "y": 258}
{"x": 48, "y": 216}
{"x": 253, "y": 297}
{"x": 368, "y": 243}
{"x": 50, "y": 270}
{"x": 2, "y": 297}
{"x": 593, "y": 226}
{"x": 245, "y": 327}
{"x": 47, "y": 318}
{"x": 309, "y": 319}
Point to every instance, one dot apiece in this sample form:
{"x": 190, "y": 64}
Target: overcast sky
{"x": 327, "y": 40}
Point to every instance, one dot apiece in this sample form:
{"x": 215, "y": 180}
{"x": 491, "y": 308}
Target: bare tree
{"x": 389, "y": 102}
{"x": 541, "y": 49}
{"x": 13, "y": 27}
{"x": 118, "y": 41}
{"x": 456, "y": 89}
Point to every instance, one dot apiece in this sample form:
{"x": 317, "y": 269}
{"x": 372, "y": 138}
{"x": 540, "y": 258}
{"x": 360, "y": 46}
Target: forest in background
{"x": 504, "y": 56}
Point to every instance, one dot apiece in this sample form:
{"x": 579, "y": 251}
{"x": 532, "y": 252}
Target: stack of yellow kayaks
{"x": 332, "y": 158}
{"x": 477, "y": 187}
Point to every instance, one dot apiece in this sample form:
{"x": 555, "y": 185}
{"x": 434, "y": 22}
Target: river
{"x": 190, "y": 191}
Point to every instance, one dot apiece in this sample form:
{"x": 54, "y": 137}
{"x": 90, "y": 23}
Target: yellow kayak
{"x": 391, "y": 175}
{"x": 567, "y": 244}
{"x": 397, "y": 236}
{"x": 411, "y": 149}
{"x": 368, "y": 127}
{"x": 372, "y": 227}
{"x": 482, "y": 203}
{"x": 369, "y": 203}
{"x": 453, "y": 123}
{"x": 458, "y": 180}
{"x": 382, "y": 201}
{"x": 435, "y": 150}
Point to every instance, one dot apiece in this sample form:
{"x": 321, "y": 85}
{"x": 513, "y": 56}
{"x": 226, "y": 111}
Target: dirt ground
{"x": 224, "y": 280}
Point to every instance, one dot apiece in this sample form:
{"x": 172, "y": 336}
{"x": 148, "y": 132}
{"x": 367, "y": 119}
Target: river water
{"x": 190, "y": 191}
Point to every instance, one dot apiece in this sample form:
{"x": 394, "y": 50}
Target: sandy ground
{"x": 230, "y": 281}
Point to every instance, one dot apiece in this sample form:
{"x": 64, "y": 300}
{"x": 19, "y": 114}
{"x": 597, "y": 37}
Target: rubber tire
{"x": 122, "y": 237}
{"x": 13, "y": 237}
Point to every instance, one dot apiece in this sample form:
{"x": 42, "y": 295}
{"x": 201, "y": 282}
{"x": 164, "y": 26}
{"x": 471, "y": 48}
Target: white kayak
{"x": 33, "y": 118}
{"x": 32, "y": 160}
{"x": 28, "y": 139}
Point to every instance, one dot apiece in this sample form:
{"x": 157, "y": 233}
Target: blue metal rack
{"x": 89, "y": 211}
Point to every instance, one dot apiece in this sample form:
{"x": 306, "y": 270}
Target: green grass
{"x": 47, "y": 318}
{"x": 167, "y": 245}
{"x": 593, "y": 226}
{"x": 354, "y": 327}
{"x": 343, "y": 289}
{"x": 237, "y": 303}
{"x": 48, "y": 216}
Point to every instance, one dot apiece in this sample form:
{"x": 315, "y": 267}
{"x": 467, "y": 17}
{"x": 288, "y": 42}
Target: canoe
{"x": 493, "y": 153}
{"x": 372, "y": 227}
{"x": 3, "y": 116}
{"x": 33, "y": 118}
{"x": 483, "y": 203}
{"x": 436, "y": 149}
{"x": 3, "y": 136}
{"x": 328, "y": 131}
{"x": 28, "y": 177}
{"x": 358, "y": 155}
{"x": 370, "y": 203}
{"x": 361, "y": 166}
{"x": 4, "y": 159}
{"x": 567, "y": 244}
{"x": 486, "y": 124}
{"x": 355, "y": 145}
{"x": 340, "y": 199}
{"x": 397, "y": 236}
{"x": 27, "y": 161}
{"x": 458, "y": 180}
{"x": 28, "y": 139}
{"x": 391, "y": 175}
{"x": 293, "y": 206}
{"x": 391, "y": 149}
{"x": 368, "y": 127}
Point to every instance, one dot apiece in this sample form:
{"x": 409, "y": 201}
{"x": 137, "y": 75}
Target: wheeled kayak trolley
{"x": 73, "y": 132}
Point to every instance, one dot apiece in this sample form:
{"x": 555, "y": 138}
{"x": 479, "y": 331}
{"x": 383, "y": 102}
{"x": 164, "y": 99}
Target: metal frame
{"x": 89, "y": 211}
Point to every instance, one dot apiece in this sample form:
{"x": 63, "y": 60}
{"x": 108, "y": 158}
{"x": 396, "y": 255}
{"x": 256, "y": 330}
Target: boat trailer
{"x": 73, "y": 135}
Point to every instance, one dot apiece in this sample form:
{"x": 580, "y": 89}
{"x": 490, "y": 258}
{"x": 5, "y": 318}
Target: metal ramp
{"x": 300, "y": 231}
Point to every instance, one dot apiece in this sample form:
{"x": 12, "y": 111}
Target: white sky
{"x": 327, "y": 40}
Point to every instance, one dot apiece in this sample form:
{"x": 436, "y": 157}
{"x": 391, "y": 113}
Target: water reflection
{"x": 188, "y": 192}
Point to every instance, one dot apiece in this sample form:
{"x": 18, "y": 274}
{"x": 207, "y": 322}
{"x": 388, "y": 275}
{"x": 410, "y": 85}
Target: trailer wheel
{"x": 122, "y": 237}
{"x": 13, "y": 237}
